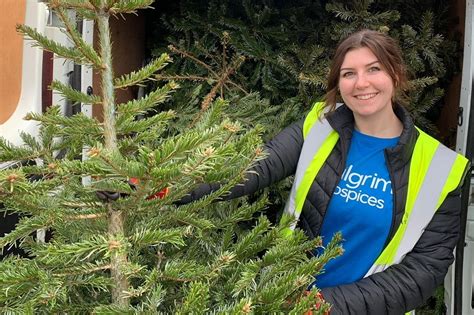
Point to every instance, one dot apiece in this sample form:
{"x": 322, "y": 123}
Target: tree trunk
{"x": 115, "y": 218}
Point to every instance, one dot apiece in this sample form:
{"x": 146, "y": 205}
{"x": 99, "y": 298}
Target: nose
{"x": 361, "y": 81}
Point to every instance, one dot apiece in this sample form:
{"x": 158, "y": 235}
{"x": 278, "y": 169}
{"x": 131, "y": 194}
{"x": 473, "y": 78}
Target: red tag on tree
{"x": 160, "y": 194}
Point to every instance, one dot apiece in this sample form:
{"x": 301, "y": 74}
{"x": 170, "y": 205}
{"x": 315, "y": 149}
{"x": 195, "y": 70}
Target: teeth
{"x": 366, "y": 96}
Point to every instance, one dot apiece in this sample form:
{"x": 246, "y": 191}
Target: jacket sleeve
{"x": 282, "y": 151}
{"x": 403, "y": 287}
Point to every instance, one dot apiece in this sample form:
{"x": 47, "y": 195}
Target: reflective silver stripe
{"x": 425, "y": 204}
{"x": 426, "y": 201}
{"x": 376, "y": 268}
{"x": 312, "y": 143}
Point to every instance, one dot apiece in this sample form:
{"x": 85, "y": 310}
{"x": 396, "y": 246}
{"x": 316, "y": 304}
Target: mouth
{"x": 366, "y": 96}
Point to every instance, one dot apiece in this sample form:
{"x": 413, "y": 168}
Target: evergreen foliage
{"x": 142, "y": 254}
{"x": 288, "y": 46}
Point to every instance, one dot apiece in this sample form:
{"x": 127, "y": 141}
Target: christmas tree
{"x": 141, "y": 252}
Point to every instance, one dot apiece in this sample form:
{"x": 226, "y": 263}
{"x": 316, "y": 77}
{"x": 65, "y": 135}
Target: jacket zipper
{"x": 394, "y": 201}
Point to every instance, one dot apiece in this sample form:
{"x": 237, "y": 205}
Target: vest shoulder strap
{"x": 435, "y": 171}
{"x": 319, "y": 140}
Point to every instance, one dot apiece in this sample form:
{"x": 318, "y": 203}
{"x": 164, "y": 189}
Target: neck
{"x": 385, "y": 126}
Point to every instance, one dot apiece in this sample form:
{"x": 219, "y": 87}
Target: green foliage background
{"x": 287, "y": 46}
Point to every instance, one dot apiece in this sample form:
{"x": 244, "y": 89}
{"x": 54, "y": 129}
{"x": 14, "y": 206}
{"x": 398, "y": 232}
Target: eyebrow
{"x": 367, "y": 65}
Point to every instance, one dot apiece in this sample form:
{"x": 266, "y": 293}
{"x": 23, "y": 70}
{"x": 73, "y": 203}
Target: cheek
{"x": 390, "y": 88}
{"x": 388, "y": 83}
{"x": 345, "y": 87}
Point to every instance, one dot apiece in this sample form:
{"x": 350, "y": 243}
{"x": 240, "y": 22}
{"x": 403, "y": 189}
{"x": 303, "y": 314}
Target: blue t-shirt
{"x": 361, "y": 209}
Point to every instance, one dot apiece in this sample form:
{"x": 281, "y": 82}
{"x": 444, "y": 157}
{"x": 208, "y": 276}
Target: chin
{"x": 366, "y": 113}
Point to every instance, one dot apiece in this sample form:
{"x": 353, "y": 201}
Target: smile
{"x": 366, "y": 96}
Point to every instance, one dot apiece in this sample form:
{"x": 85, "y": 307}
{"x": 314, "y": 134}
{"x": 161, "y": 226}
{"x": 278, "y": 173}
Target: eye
{"x": 347, "y": 74}
{"x": 374, "y": 69}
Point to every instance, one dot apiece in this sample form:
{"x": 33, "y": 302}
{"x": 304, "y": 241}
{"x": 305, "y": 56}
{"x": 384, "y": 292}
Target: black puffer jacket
{"x": 401, "y": 287}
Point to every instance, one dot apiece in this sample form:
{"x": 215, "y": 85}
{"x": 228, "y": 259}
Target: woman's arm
{"x": 282, "y": 151}
{"x": 407, "y": 285}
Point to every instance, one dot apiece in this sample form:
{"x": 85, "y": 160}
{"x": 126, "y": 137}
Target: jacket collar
{"x": 342, "y": 120}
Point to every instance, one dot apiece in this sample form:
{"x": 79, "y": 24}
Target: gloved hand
{"x": 108, "y": 196}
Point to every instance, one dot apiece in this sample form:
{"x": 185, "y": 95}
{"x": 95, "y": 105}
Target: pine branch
{"x": 185, "y": 77}
{"x": 247, "y": 278}
{"x": 145, "y": 237}
{"x": 144, "y": 73}
{"x": 248, "y": 245}
{"x": 74, "y": 95}
{"x": 243, "y": 213}
{"x": 87, "y": 216}
{"x": 196, "y": 300}
{"x": 129, "y": 6}
{"x": 151, "y": 289}
{"x": 129, "y": 125}
{"x": 84, "y": 268}
{"x": 177, "y": 270}
{"x": 9, "y": 152}
{"x": 340, "y": 11}
{"x": 421, "y": 83}
{"x": 193, "y": 58}
{"x": 91, "y": 125}
{"x": 286, "y": 249}
{"x": 72, "y": 4}
{"x": 215, "y": 76}
{"x": 113, "y": 309}
{"x": 244, "y": 306}
{"x": 183, "y": 217}
{"x": 179, "y": 146}
{"x": 313, "y": 79}
{"x": 24, "y": 228}
{"x": 30, "y": 141}
{"x": 60, "y": 254}
{"x": 85, "y": 49}
{"x": 17, "y": 278}
{"x": 50, "y": 45}
{"x": 141, "y": 106}
{"x": 223, "y": 78}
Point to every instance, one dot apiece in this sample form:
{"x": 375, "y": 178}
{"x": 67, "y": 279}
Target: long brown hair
{"x": 388, "y": 53}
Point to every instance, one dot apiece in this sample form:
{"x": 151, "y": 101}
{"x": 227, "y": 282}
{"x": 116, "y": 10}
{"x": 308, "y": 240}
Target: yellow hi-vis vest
{"x": 435, "y": 171}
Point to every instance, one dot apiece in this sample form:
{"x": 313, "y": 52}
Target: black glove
{"x": 107, "y": 196}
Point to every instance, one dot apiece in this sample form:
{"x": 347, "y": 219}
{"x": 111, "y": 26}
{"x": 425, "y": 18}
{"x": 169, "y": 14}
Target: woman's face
{"x": 365, "y": 86}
